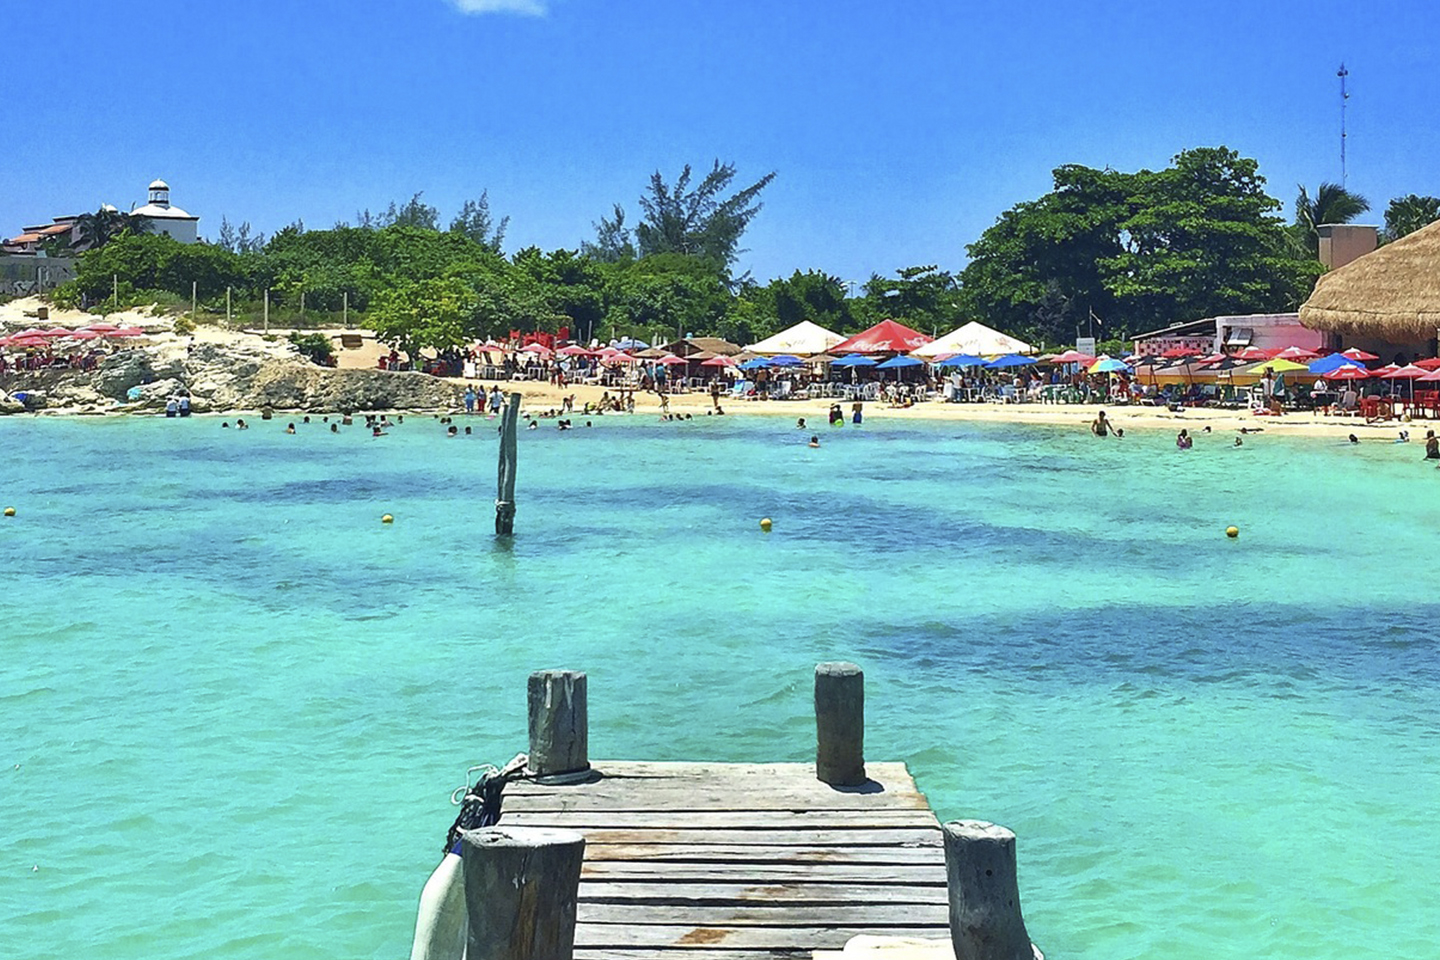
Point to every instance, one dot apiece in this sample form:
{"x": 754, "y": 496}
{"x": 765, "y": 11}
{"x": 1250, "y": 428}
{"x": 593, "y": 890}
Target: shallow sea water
{"x": 234, "y": 704}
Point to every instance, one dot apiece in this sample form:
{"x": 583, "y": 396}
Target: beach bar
{"x": 647, "y": 860}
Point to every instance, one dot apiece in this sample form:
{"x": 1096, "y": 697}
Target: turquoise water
{"x": 234, "y": 703}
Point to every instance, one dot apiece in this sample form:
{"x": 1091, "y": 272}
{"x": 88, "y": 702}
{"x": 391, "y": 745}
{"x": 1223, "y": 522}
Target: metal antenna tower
{"x": 1342, "y": 73}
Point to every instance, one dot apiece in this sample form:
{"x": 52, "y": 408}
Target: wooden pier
{"x": 636, "y": 860}
{"x": 738, "y": 861}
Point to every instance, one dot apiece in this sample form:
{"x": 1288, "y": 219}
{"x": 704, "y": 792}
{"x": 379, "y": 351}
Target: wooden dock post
{"x": 522, "y": 888}
{"x": 840, "y": 724}
{"x": 985, "y": 920}
{"x": 559, "y": 723}
{"x": 505, "y": 495}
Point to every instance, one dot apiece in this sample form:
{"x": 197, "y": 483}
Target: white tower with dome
{"x": 166, "y": 218}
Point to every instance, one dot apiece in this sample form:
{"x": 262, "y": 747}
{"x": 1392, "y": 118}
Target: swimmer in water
{"x": 814, "y": 441}
{"x": 377, "y": 432}
{"x": 534, "y": 425}
{"x": 290, "y": 428}
{"x": 1432, "y": 446}
{"x": 800, "y": 424}
{"x": 1239, "y": 442}
{"x": 1183, "y": 440}
{"x": 1354, "y": 439}
{"x": 334, "y": 428}
{"x": 226, "y": 426}
{"x": 1101, "y": 427}
{"x": 241, "y": 425}
{"x": 452, "y": 432}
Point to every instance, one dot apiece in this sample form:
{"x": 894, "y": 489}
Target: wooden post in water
{"x": 840, "y": 724}
{"x": 505, "y": 495}
{"x": 521, "y": 889}
{"x": 985, "y": 920}
{"x": 559, "y": 723}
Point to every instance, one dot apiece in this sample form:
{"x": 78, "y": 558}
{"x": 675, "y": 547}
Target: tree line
{"x": 1117, "y": 252}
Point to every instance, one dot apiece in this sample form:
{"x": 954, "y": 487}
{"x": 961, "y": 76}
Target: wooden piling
{"x": 505, "y": 495}
{"x": 840, "y": 724}
{"x": 521, "y": 892}
{"x": 984, "y": 892}
{"x": 559, "y": 723}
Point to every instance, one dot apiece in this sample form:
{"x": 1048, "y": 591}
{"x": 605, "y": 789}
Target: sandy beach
{"x": 540, "y": 397}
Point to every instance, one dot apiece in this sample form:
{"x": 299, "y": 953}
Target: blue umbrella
{"x": 786, "y": 360}
{"x": 630, "y": 343}
{"x": 759, "y": 363}
{"x": 853, "y": 360}
{"x": 1010, "y": 360}
{"x": 1332, "y": 363}
{"x": 896, "y": 363}
{"x": 963, "y": 360}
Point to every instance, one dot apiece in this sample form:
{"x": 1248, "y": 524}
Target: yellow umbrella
{"x": 1256, "y": 371}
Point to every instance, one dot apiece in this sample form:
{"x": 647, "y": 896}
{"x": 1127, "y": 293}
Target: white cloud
{"x": 532, "y": 8}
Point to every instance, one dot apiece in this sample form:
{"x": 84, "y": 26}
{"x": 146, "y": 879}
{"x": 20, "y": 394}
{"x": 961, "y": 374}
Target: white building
{"x": 165, "y": 218}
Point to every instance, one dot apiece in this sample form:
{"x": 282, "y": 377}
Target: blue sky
{"x": 898, "y": 131}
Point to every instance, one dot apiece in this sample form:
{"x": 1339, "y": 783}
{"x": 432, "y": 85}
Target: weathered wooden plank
{"x": 663, "y": 798}
{"x": 693, "y": 953}
{"x": 877, "y": 915}
{"x": 721, "y": 819}
{"x": 756, "y": 854}
{"x": 797, "y": 837}
{"x": 614, "y": 935}
{"x": 763, "y": 872}
{"x": 721, "y": 892}
{"x": 884, "y": 771}
{"x": 881, "y": 793}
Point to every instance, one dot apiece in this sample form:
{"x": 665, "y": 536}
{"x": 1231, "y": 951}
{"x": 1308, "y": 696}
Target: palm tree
{"x": 96, "y": 229}
{"x": 1407, "y": 214}
{"x": 1332, "y": 204}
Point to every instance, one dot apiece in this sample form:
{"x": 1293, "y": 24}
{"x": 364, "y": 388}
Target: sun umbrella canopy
{"x": 101, "y": 327}
{"x": 1176, "y": 352}
{"x": 573, "y": 350}
{"x": 538, "y": 349}
{"x": 1073, "y": 356}
{"x": 974, "y": 338}
{"x": 617, "y": 358}
{"x": 963, "y": 360}
{"x": 1109, "y": 365}
{"x": 1348, "y": 372}
{"x": 1332, "y": 362}
{"x": 887, "y": 336}
{"x": 56, "y": 332}
{"x": 1253, "y": 353}
{"x": 1010, "y": 360}
{"x": 759, "y": 363}
{"x": 896, "y": 363}
{"x": 1355, "y": 353}
{"x": 805, "y": 338}
{"x": 127, "y": 332}
{"x": 630, "y": 343}
{"x": 671, "y": 360}
{"x": 854, "y": 360}
{"x": 718, "y": 362}
{"x": 1408, "y": 372}
{"x": 1432, "y": 377}
{"x": 1296, "y": 353}
{"x": 787, "y": 360}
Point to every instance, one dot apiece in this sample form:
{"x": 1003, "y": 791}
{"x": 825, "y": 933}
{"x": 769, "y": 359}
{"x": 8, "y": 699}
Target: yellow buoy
{"x": 765, "y": 524}
{"x": 387, "y": 519}
{"x": 1232, "y": 532}
{"x": 9, "y": 511}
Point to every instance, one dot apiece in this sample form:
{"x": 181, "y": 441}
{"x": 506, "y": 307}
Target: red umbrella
{"x": 617, "y": 357}
{"x": 887, "y": 336}
{"x": 84, "y": 335}
{"x": 670, "y": 360}
{"x": 1355, "y": 353}
{"x": 126, "y": 332}
{"x": 1296, "y": 353}
{"x": 1074, "y": 356}
{"x": 1253, "y": 353}
{"x": 19, "y": 341}
{"x": 574, "y": 350}
{"x": 537, "y": 348}
{"x": 101, "y": 327}
{"x": 718, "y": 362}
{"x": 1408, "y": 372}
{"x": 56, "y": 332}
{"x": 1432, "y": 364}
{"x": 1384, "y": 371}
{"x": 1175, "y": 353}
{"x": 1347, "y": 372}
{"x": 1432, "y": 377}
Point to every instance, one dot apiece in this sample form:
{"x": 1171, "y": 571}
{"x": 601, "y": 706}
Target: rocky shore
{"x": 221, "y": 372}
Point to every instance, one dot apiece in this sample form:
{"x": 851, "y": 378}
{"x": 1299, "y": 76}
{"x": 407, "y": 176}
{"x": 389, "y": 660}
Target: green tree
{"x": 99, "y": 228}
{"x": 476, "y": 222}
{"x": 924, "y": 297}
{"x": 1332, "y": 203}
{"x": 413, "y": 213}
{"x": 1409, "y": 213}
{"x": 613, "y": 240}
{"x": 424, "y": 314}
{"x": 699, "y": 221}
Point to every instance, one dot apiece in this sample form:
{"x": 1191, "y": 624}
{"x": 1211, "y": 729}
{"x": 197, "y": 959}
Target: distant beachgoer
{"x": 719, "y": 410}
{"x": 241, "y": 425}
{"x": 347, "y": 420}
{"x": 495, "y": 400}
{"x": 290, "y": 428}
{"x": 800, "y": 424}
{"x": 587, "y": 423}
{"x": 1239, "y": 442}
{"x": 1432, "y": 446}
{"x": 1207, "y": 428}
{"x": 467, "y": 431}
{"x": 184, "y": 406}
{"x": 1354, "y": 439}
{"x": 1102, "y": 427}
{"x": 306, "y": 420}
{"x": 1404, "y": 437}
{"x": 226, "y": 426}
{"x": 452, "y": 432}
{"x": 334, "y": 428}
{"x": 857, "y": 413}
{"x": 377, "y": 432}
{"x": 1183, "y": 440}
{"x": 836, "y": 416}
{"x": 533, "y": 425}
{"x": 172, "y": 409}
{"x": 469, "y": 399}
{"x": 814, "y": 441}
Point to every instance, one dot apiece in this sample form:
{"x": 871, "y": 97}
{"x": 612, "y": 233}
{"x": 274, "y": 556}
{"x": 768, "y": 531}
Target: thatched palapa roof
{"x": 1392, "y": 294}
